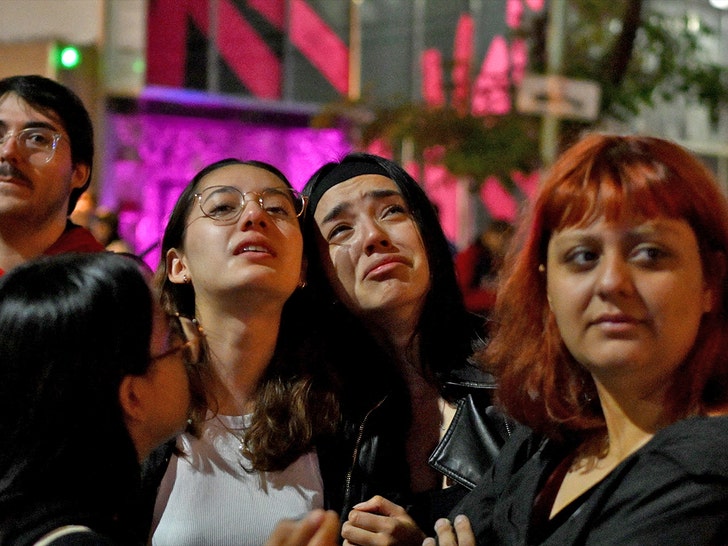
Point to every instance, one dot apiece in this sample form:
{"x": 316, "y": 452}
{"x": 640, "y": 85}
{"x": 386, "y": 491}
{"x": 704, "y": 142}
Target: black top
{"x": 672, "y": 491}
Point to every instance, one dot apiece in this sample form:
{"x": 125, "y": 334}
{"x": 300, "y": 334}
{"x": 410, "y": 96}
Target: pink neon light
{"x": 500, "y": 204}
{"x": 463, "y": 56}
{"x": 433, "y": 91}
{"x": 519, "y": 60}
{"x": 490, "y": 93}
{"x": 514, "y": 13}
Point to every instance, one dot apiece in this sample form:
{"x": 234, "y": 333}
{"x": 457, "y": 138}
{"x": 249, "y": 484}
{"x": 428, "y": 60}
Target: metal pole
{"x": 288, "y": 58}
{"x": 354, "y": 93}
{"x": 213, "y": 68}
{"x": 418, "y": 46}
{"x": 554, "y": 66}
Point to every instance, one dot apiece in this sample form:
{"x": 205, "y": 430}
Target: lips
{"x": 257, "y": 247}
{"x": 616, "y": 318}
{"x": 382, "y": 264}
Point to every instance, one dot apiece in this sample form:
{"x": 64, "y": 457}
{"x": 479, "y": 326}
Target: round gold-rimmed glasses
{"x": 186, "y": 328}
{"x": 225, "y": 204}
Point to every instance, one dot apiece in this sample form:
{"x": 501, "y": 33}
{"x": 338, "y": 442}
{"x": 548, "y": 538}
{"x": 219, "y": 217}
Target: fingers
{"x": 365, "y": 528}
{"x": 382, "y": 506}
{"x": 318, "y": 528}
{"x": 328, "y": 531}
{"x": 464, "y": 531}
{"x": 459, "y": 533}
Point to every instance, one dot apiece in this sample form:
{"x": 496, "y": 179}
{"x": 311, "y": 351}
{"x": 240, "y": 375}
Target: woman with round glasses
{"x": 232, "y": 257}
{"x": 93, "y": 378}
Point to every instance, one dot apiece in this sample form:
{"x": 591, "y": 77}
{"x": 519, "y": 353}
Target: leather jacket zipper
{"x": 357, "y": 446}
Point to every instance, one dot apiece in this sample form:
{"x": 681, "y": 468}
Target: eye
{"x": 339, "y": 233}
{"x": 394, "y": 210}
{"x": 279, "y": 204}
{"x": 649, "y": 254}
{"x": 220, "y": 209}
{"x": 581, "y": 257}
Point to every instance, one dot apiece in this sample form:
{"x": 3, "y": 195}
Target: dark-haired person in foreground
{"x": 93, "y": 376}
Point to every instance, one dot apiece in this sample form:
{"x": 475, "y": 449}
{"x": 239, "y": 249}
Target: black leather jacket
{"x": 377, "y": 451}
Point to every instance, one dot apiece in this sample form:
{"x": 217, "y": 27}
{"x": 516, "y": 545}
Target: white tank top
{"x": 206, "y": 496}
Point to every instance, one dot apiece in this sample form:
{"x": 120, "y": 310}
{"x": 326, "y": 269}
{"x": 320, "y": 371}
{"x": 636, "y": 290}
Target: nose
{"x": 253, "y": 214}
{"x": 375, "y": 237}
{"x": 8, "y": 146}
{"x": 614, "y": 276}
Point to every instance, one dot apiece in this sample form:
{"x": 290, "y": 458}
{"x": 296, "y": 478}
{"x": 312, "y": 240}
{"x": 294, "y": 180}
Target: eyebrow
{"x": 339, "y": 209}
{"x": 35, "y": 125}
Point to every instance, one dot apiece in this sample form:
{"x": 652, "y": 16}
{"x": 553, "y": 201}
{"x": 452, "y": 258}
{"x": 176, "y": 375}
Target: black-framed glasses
{"x": 36, "y": 144}
{"x": 225, "y": 204}
{"x": 183, "y": 328}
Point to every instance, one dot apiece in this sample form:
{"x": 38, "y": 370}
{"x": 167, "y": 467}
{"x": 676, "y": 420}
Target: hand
{"x": 462, "y": 535}
{"x": 379, "y": 522}
{"x": 318, "y": 528}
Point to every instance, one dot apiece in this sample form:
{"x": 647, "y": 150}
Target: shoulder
{"x": 75, "y": 239}
{"x": 697, "y": 445}
{"x": 470, "y": 377}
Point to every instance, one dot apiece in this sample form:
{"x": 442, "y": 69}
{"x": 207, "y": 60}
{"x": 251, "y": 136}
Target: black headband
{"x": 341, "y": 173}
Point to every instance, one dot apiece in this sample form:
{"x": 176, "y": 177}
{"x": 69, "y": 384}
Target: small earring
{"x": 541, "y": 268}
{"x": 185, "y": 279}
{"x": 301, "y": 284}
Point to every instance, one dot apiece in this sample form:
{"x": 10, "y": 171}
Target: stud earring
{"x": 301, "y": 284}
{"x": 185, "y": 279}
{"x": 541, "y": 268}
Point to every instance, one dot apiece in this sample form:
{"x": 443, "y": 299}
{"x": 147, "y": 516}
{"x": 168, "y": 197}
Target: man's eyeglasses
{"x": 225, "y": 204}
{"x": 183, "y": 328}
{"x": 36, "y": 144}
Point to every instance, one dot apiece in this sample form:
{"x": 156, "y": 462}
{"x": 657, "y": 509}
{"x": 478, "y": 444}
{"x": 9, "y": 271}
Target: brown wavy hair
{"x": 541, "y": 384}
{"x": 294, "y": 404}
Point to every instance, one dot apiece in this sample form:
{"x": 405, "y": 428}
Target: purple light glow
{"x": 152, "y": 156}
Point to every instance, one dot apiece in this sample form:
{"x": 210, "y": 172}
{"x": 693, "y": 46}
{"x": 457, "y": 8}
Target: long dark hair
{"x": 293, "y": 403}
{"x": 445, "y": 329}
{"x": 72, "y": 327}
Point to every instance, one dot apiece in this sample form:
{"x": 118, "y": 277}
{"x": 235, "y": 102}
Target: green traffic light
{"x": 70, "y": 57}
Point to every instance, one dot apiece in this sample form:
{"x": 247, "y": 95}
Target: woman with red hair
{"x": 610, "y": 341}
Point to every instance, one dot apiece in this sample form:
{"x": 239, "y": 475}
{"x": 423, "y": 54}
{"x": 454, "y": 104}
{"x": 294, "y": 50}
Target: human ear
{"x": 80, "y": 175}
{"x": 131, "y": 398}
{"x": 176, "y": 268}
{"x": 304, "y": 269}
{"x": 716, "y": 278}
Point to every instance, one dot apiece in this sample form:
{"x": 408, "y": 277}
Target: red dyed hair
{"x": 608, "y": 176}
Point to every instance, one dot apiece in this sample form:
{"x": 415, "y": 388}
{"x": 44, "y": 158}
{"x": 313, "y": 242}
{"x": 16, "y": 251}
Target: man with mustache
{"x": 46, "y": 156}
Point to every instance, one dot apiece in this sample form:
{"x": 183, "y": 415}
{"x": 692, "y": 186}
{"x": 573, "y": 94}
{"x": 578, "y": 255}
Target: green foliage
{"x": 475, "y": 146}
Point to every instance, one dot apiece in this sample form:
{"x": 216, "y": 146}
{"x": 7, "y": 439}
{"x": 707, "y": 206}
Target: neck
{"x": 632, "y": 420}
{"x": 241, "y": 348}
{"x": 397, "y": 335}
{"x": 18, "y": 244}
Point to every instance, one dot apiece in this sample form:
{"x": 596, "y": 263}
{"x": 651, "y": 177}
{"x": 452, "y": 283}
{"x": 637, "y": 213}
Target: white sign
{"x": 559, "y": 96}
